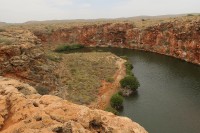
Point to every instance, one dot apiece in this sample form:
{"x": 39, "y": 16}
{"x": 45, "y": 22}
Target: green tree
{"x": 116, "y": 101}
{"x": 130, "y": 82}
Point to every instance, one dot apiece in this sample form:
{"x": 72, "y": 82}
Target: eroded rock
{"x": 178, "y": 38}
{"x": 29, "y": 113}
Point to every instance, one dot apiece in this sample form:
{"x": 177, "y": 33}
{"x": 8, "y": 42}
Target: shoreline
{"x": 108, "y": 89}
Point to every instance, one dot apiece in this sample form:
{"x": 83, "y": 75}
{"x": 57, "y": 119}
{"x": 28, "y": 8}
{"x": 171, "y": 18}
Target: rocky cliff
{"x": 22, "y": 110}
{"x": 21, "y": 56}
{"x": 177, "y": 38}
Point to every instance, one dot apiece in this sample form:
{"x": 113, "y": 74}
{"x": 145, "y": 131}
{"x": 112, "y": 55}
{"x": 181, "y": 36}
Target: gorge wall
{"x": 180, "y": 39}
{"x": 22, "y": 57}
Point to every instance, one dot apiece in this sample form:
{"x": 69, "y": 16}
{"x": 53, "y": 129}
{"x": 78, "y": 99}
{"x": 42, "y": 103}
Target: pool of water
{"x": 168, "y": 100}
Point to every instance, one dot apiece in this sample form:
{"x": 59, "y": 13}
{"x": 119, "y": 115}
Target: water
{"x": 168, "y": 100}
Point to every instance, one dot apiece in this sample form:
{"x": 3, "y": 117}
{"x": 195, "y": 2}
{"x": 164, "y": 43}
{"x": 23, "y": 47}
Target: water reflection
{"x": 168, "y": 100}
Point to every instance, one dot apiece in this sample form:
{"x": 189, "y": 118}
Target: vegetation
{"x": 50, "y": 26}
{"x": 112, "y": 110}
{"x": 2, "y": 30}
{"x": 81, "y": 75}
{"x": 130, "y": 82}
{"x": 124, "y": 57}
{"x": 6, "y": 41}
{"x": 116, "y": 101}
{"x": 129, "y": 68}
{"x": 190, "y": 15}
{"x": 64, "y": 47}
{"x": 53, "y": 56}
{"x": 110, "y": 79}
{"x": 42, "y": 90}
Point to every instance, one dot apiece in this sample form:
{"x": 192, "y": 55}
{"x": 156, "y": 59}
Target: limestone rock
{"x": 178, "y": 38}
{"x": 32, "y": 113}
{"x": 22, "y": 58}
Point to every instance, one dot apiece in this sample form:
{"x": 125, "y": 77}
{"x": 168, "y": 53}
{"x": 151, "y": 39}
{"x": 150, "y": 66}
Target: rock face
{"x": 178, "y": 38}
{"x": 23, "y": 58}
{"x": 22, "y": 110}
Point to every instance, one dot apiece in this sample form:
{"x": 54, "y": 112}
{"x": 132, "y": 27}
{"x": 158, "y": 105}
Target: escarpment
{"x": 178, "y": 38}
{"x": 22, "y": 57}
{"x": 23, "y": 110}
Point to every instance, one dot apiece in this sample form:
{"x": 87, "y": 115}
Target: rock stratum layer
{"x": 178, "y": 38}
{"x": 22, "y": 110}
{"x": 23, "y": 58}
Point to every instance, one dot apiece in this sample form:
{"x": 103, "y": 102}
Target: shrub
{"x": 129, "y": 82}
{"x": 63, "y": 48}
{"x": 112, "y": 110}
{"x": 120, "y": 93}
{"x": 111, "y": 80}
{"x": 42, "y": 90}
{"x": 124, "y": 57}
{"x": 190, "y": 15}
{"x": 116, "y": 101}
{"x": 6, "y": 41}
{"x": 129, "y": 68}
{"x": 53, "y": 57}
{"x": 2, "y": 30}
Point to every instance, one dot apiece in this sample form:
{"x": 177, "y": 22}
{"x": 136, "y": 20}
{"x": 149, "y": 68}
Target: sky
{"x": 17, "y": 11}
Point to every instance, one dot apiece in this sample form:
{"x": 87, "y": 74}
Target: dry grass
{"x": 56, "y": 57}
{"x": 81, "y": 75}
{"x": 141, "y": 22}
{"x": 6, "y": 41}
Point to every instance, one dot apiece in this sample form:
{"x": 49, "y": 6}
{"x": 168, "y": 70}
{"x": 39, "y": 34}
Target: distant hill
{"x": 3, "y": 23}
{"x": 139, "y": 21}
{"x": 107, "y": 19}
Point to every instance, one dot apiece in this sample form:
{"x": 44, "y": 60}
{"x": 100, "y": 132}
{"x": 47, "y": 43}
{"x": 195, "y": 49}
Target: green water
{"x": 168, "y": 100}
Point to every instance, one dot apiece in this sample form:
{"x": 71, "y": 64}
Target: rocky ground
{"x": 23, "y": 110}
{"x": 22, "y": 57}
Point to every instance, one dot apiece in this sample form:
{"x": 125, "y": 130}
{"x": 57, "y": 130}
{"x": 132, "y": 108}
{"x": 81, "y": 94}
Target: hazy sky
{"x": 26, "y": 10}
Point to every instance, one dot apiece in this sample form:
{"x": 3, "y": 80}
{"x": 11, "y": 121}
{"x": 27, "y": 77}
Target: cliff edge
{"x": 23, "y": 110}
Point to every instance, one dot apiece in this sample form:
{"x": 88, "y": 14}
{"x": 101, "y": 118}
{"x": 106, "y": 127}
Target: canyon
{"x": 178, "y": 38}
{"x": 23, "y": 60}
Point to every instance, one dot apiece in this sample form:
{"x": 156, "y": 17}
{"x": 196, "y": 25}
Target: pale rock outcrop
{"x": 22, "y": 57}
{"x": 22, "y": 110}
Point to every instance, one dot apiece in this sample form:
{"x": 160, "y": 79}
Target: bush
{"x": 63, "y": 48}
{"x": 2, "y": 30}
{"x": 124, "y": 57}
{"x": 111, "y": 80}
{"x": 42, "y": 90}
{"x": 112, "y": 110}
{"x": 6, "y": 41}
{"x": 129, "y": 65}
{"x": 129, "y": 82}
{"x": 129, "y": 68}
{"x": 53, "y": 57}
{"x": 190, "y": 15}
{"x": 116, "y": 101}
